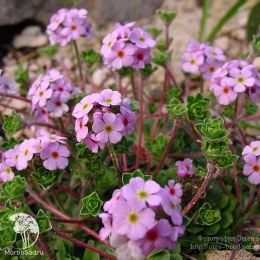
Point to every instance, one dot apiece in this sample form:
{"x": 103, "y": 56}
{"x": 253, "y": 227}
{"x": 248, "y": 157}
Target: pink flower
{"x": 10, "y": 157}
{"x": 7, "y": 86}
{"x": 107, "y": 222}
{"x": 81, "y": 128}
{"x": 184, "y": 168}
{"x": 92, "y": 143}
{"x": 83, "y": 107}
{"x": 131, "y": 219}
{"x": 225, "y": 94}
{"x": 6, "y": 173}
{"x": 108, "y": 42}
{"x": 174, "y": 190}
{"x": 41, "y": 114}
{"x": 142, "y": 191}
{"x": 109, "y": 205}
{"x": 55, "y": 156}
{"x": 142, "y": 39}
{"x": 215, "y": 53}
{"x": 109, "y": 97}
{"x": 208, "y": 68}
{"x": 240, "y": 79}
{"x": 191, "y": 62}
{"x": 253, "y": 148}
{"x": 252, "y": 168}
{"x": 141, "y": 57}
{"x": 121, "y": 55}
{"x": 41, "y": 95}
{"x": 128, "y": 118}
{"x": 155, "y": 238}
{"x": 56, "y": 106}
{"x": 108, "y": 129}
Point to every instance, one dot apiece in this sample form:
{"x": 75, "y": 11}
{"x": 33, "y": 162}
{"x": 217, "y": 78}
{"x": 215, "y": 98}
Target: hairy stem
{"x": 78, "y": 59}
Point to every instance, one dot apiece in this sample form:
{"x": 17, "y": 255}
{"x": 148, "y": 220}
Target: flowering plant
{"x": 119, "y": 173}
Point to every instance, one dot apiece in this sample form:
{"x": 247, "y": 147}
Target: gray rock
{"x": 222, "y": 42}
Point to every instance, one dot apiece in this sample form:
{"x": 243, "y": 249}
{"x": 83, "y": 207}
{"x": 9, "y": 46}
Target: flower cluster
{"x": 49, "y": 94}
{"x": 7, "y": 86}
{"x": 234, "y": 77}
{"x": 201, "y": 57}
{"x": 49, "y": 147}
{"x": 127, "y": 47}
{"x": 132, "y": 218}
{"x": 67, "y": 25}
{"x": 184, "y": 168}
{"x": 103, "y": 117}
{"x": 252, "y": 158}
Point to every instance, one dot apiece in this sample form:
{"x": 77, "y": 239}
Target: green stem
{"x": 203, "y": 21}
{"x": 57, "y": 199}
{"x": 78, "y": 59}
{"x": 133, "y": 82}
{"x": 113, "y": 157}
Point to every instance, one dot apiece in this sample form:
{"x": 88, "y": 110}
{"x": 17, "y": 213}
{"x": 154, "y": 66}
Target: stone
{"x": 222, "y": 43}
{"x": 31, "y": 41}
{"x": 256, "y": 62}
{"x": 99, "y": 76}
{"x": 239, "y": 34}
{"x": 31, "y": 31}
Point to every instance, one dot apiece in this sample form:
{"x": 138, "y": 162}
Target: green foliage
{"x": 91, "y": 205}
{"x": 159, "y": 255}
{"x": 45, "y": 177}
{"x": 229, "y": 111}
{"x": 253, "y": 23}
{"x": 166, "y": 16}
{"x": 197, "y": 107}
{"x": 124, "y": 146}
{"x": 176, "y": 109}
{"x": 154, "y": 32}
{"x": 173, "y": 93}
{"x": 127, "y": 176}
{"x": 147, "y": 71}
{"x": 91, "y": 57}
{"x": 89, "y": 254}
{"x": 152, "y": 108}
{"x": 7, "y": 238}
{"x": 9, "y": 144}
{"x": 161, "y": 44}
{"x": 207, "y": 216}
{"x": 134, "y": 105}
{"x": 256, "y": 45}
{"x": 227, "y": 160}
{"x": 43, "y": 221}
{"x": 22, "y": 78}
{"x": 49, "y": 51}
{"x": 160, "y": 58}
{"x": 250, "y": 108}
{"x": 13, "y": 190}
{"x": 13, "y": 123}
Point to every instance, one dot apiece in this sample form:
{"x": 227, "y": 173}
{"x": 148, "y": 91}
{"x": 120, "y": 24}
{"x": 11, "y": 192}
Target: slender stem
{"x": 237, "y": 239}
{"x": 203, "y": 21}
{"x": 15, "y": 97}
{"x": 79, "y": 243}
{"x": 83, "y": 190}
{"x": 78, "y": 59}
{"x": 250, "y": 58}
{"x": 133, "y": 83}
{"x": 114, "y": 160}
{"x": 62, "y": 215}
{"x": 78, "y": 221}
{"x": 222, "y": 185}
{"x": 251, "y": 200}
{"x": 168, "y": 147}
{"x": 57, "y": 199}
{"x": 187, "y": 155}
{"x": 211, "y": 169}
{"x": 61, "y": 123}
{"x": 45, "y": 247}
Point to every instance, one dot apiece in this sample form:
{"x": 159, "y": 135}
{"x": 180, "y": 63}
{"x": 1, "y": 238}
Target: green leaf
{"x": 147, "y": 70}
{"x": 166, "y": 16}
{"x": 256, "y": 45}
{"x": 160, "y": 58}
{"x": 14, "y": 189}
{"x": 173, "y": 93}
{"x": 207, "y": 216}
{"x": 49, "y": 51}
{"x": 91, "y": 57}
{"x": 227, "y": 160}
{"x": 161, "y": 44}
{"x": 203, "y": 21}
{"x": 231, "y": 204}
{"x": 222, "y": 201}
{"x": 22, "y": 78}
{"x": 231, "y": 12}
{"x": 250, "y": 108}
{"x": 13, "y": 123}
{"x": 89, "y": 254}
{"x": 193, "y": 228}
{"x": 43, "y": 221}
{"x": 7, "y": 238}
{"x": 226, "y": 219}
{"x": 161, "y": 255}
{"x": 91, "y": 205}
{"x": 212, "y": 230}
{"x": 176, "y": 109}
{"x": 154, "y": 32}
{"x": 253, "y": 23}
{"x": 229, "y": 111}
{"x": 137, "y": 173}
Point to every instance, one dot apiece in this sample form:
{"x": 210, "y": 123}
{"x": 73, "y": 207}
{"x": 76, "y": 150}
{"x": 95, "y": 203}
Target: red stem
{"x": 222, "y": 185}
{"x": 235, "y": 246}
{"x": 77, "y": 242}
{"x": 211, "y": 170}
{"x": 187, "y": 155}
{"x": 15, "y": 97}
{"x": 168, "y": 147}
{"x": 68, "y": 190}
{"x": 45, "y": 247}
{"x": 78, "y": 221}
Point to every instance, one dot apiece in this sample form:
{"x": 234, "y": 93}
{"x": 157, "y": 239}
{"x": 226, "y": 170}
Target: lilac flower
{"x": 215, "y": 53}
{"x": 170, "y": 207}
{"x": 196, "y": 46}
{"x": 73, "y": 28}
{"x": 141, "y": 57}
{"x": 123, "y": 31}
{"x": 56, "y": 106}
{"x": 210, "y": 65}
{"x": 155, "y": 238}
{"x": 41, "y": 95}
{"x": 26, "y": 151}
{"x": 142, "y": 191}
{"x": 52, "y": 76}
{"x": 81, "y": 128}
{"x": 116, "y": 196}
{"x": 83, "y": 107}
{"x": 108, "y": 129}
{"x": 56, "y": 20}
{"x": 252, "y": 168}
{"x": 191, "y": 62}
{"x": 184, "y": 168}
{"x": 110, "y": 97}
{"x": 108, "y": 42}
{"x": 107, "y": 222}
{"x": 176, "y": 232}
{"x": 46, "y": 137}
{"x": 253, "y": 148}
{"x": 55, "y": 156}
{"x": 224, "y": 92}
{"x": 254, "y": 93}
{"x": 6, "y": 173}
{"x": 128, "y": 118}
{"x": 35, "y": 85}
{"x": 121, "y": 55}
{"x": 174, "y": 190}
{"x": 7, "y": 86}
{"x": 92, "y": 143}
{"x": 131, "y": 219}
{"x": 41, "y": 114}
{"x": 11, "y": 156}
{"x": 142, "y": 39}
{"x": 240, "y": 79}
